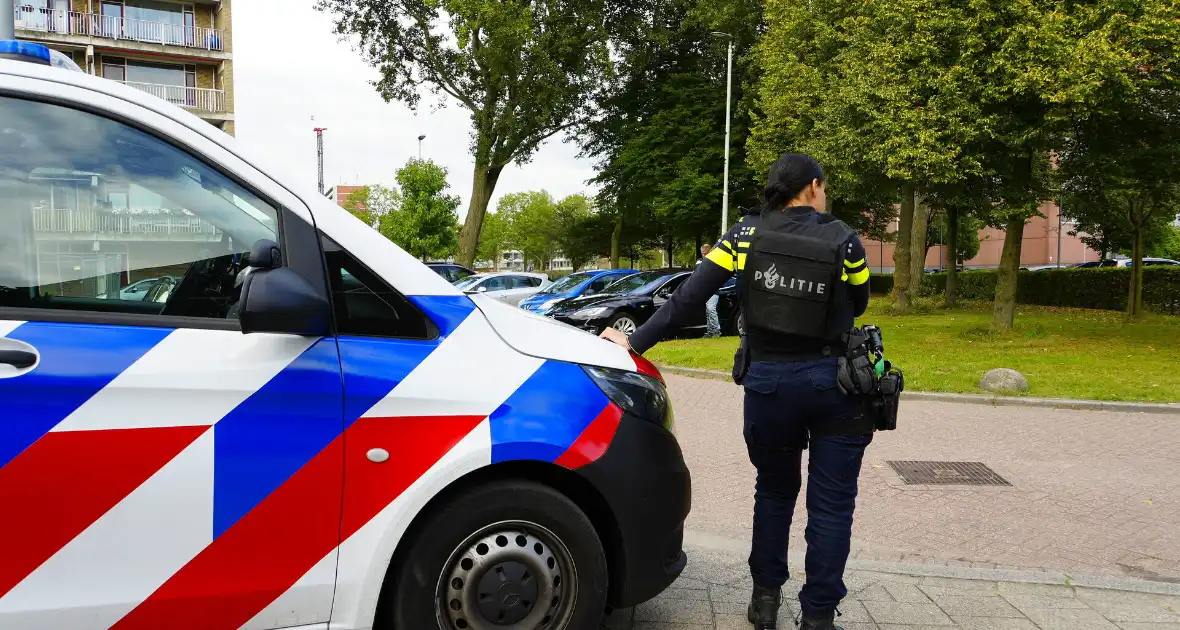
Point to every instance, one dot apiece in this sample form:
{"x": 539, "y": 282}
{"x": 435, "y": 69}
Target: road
{"x": 1092, "y": 492}
{"x": 1093, "y": 498}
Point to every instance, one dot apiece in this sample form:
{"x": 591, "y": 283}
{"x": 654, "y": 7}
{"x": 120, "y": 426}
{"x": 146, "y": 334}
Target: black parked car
{"x": 629, "y": 302}
{"x": 452, "y": 272}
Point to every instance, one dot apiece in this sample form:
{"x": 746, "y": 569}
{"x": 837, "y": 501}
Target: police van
{"x": 289, "y": 422}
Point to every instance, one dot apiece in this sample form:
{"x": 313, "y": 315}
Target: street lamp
{"x": 420, "y": 139}
{"x": 728, "y": 91}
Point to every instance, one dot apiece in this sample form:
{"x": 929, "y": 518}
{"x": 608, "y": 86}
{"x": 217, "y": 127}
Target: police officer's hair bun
{"x": 788, "y": 176}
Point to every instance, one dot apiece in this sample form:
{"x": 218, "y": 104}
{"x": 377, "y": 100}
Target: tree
{"x": 1167, "y": 243}
{"x": 880, "y": 94}
{"x": 532, "y": 225}
{"x": 425, "y": 224}
{"x": 1119, "y": 163}
{"x": 580, "y": 230}
{"x": 371, "y": 203}
{"x": 659, "y": 135}
{"x": 357, "y": 204}
{"x": 522, "y": 68}
{"x": 494, "y": 238}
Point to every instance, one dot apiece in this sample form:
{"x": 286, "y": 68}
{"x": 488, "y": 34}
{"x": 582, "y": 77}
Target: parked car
{"x": 451, "y": 271}
{"x": 629, "y": 302}
{"x": 573, "y": 285}
{"x": 358, "y": 445}
{"x": 1094, "y": 264}
{"x": 510, "y": 287}
{"x": 1148, "y": 262}
{"x": 137, "y": 291}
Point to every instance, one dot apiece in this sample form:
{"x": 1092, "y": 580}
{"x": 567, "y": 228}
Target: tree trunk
{"x": 671, "y": 253}
{"x": 1008, "y": 275}
{"x": 483, "y": 184}
{"x": 901, "y": 251}
{"x": 952, "y": 272}
{"x": 918, "y": 250}
{"x": 614, "y": 241}
{"x": 1135, "y": 297}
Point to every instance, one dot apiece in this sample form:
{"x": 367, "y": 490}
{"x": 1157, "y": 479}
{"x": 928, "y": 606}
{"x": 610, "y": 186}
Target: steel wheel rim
{"x": 482, "y": 586}
{"x": 625, "y": 325}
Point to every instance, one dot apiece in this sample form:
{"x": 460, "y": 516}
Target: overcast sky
{"x": 288, "y": 67}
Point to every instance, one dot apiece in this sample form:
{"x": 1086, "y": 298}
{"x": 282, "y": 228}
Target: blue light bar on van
{"x": 25, "y": 51}
{"x": 36, "y": 53}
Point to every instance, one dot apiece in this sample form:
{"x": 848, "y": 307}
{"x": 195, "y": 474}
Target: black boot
{"x": 763, "y": 610}
{"x": 820, "y": 622}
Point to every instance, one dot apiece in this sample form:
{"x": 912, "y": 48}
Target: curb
{"x": 713, "y": 542}
{"x": 980, "y": 399}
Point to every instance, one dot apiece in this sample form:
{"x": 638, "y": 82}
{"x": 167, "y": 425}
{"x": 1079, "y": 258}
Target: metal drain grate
{"x": 947, "y": 473}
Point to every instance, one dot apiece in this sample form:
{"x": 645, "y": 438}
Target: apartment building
{"x": 180, "y": 51}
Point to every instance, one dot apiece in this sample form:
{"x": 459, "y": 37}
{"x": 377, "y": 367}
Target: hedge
{"x": 1102, "y": 288}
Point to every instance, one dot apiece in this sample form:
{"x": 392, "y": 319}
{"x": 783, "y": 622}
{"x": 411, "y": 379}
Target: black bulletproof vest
{"x": 792, "y": 278}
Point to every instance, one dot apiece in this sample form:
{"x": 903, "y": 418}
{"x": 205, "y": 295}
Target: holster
{"x": 857, "y": 377}
{"x": 885, "y": 404}
{"x": 741, "y": 361}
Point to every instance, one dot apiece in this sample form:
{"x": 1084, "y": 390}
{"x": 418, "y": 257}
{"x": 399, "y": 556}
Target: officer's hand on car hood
{"x": 616, "y": 336}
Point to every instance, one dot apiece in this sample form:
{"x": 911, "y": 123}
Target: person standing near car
{"x": 712, "y": 323}
{"x": 803, "y": 279}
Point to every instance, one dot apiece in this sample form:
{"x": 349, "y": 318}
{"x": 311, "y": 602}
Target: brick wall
{"x": 1039, "y": 246}
{"x": 223, "y": 19}
{"x": 204, "y": 14}
{"x": 205, "y": 77}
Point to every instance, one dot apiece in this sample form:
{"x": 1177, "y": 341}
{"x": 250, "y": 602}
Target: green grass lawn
{"x": 1066, "y": 353}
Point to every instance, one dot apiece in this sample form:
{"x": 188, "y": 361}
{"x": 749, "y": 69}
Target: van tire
{"x": 512, "y": 528}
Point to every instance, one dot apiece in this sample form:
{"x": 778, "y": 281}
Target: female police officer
{"x": 803, "y": 279}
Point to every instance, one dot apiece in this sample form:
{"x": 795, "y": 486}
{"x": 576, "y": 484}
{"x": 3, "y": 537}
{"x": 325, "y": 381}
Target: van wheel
{"x": 511, "y": 555}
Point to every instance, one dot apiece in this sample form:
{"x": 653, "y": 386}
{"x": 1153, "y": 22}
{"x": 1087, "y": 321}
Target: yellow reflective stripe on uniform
{"x": 854, "y": 263}
{"x": 741, "y": 261}
{"x": 743, "y": 244}
{"x": 858, "y": 278}
{"x": 727, "y": 244}
{"x": 721, "y": 258}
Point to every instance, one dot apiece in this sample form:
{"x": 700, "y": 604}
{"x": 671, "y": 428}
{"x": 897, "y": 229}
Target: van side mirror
{"x": 276, "y": 299}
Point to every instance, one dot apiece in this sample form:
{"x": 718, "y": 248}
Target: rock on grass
{"x": 1003, "y": 381}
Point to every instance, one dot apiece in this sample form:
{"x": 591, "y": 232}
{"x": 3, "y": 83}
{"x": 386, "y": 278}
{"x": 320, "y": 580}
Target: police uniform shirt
{"x": 729, "y": 256}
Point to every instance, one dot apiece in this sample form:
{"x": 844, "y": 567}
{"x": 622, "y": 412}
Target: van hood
{"x": 546, "y": 338}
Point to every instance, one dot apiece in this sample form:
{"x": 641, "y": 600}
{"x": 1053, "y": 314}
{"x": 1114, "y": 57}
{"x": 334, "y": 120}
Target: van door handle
{"x": 18, "y": 358}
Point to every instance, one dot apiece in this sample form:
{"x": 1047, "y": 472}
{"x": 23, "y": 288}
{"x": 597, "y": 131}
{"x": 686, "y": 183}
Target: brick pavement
{"x": 713, "y": 591}
{"x": 1093, "y": 492}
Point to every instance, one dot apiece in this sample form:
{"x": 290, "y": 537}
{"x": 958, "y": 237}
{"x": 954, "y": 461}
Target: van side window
{"x": 98, "y": 216}
{"x": 365, "y": 305}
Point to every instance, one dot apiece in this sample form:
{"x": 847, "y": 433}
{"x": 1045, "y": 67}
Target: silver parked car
{"x": 511, "y": 287}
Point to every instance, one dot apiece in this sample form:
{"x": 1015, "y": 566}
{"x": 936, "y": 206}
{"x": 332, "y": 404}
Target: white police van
{"x": 297, "y": 425}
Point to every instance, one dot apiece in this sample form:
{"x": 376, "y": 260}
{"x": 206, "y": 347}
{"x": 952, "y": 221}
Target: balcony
{"x": 58, "y": 22}
{"x": 199, "y": 100}
{"x": 89, "y": 224}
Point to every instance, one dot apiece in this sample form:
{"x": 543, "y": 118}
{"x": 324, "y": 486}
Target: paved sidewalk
{"x": 1092, "y": 492}
{"x": 713, "y": 591}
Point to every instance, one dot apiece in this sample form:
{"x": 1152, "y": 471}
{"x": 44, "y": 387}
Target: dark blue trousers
{"x": 790, "y": 406}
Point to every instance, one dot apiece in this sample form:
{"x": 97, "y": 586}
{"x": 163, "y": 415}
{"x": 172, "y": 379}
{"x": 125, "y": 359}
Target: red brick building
{"x": 1041, "y": 243}
{"x": 340, "y": 194}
